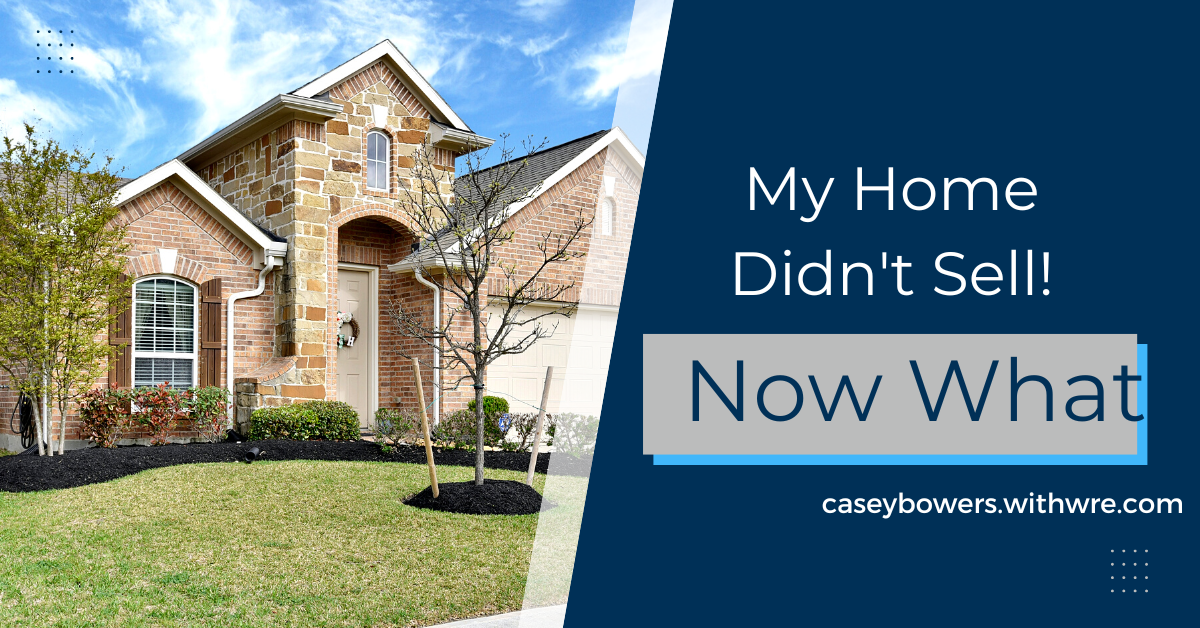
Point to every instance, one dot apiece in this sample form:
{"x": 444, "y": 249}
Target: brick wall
{"x": 556, "y": 211}
{"x": 598, "y": 275}
{"x": 166, "y": 218}
{"x": 607, "y": 255}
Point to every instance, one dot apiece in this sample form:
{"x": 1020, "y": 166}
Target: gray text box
{"x": 898, "y": 422}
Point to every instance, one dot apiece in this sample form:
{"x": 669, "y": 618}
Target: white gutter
{"x": 437, "y": 349}
{"x": 269, "y": 264}
{"x": 449, "y": 137}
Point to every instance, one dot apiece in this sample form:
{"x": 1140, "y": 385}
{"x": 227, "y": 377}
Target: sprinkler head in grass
{"x": 251, "y": 455}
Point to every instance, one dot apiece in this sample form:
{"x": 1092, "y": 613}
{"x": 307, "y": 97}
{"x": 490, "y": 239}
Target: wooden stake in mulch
{"x": 433, "y": 483}
{"x": 541, "y": 414}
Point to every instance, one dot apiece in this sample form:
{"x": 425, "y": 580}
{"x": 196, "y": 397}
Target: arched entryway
{"x": 371, "y": 373}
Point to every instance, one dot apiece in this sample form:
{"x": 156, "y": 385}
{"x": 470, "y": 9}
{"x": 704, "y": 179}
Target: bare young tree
{"x": 463, "y": 227}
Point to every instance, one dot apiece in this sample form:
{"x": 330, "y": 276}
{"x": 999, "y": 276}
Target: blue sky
{"x": 152, "y": 77}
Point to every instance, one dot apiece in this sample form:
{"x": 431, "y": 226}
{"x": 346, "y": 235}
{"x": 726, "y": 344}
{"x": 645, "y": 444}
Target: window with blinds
{"x": 164, "y": 333}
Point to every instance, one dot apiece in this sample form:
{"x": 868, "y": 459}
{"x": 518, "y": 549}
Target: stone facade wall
{"x": 276, "y": 182}
{"x": 296, "y": 181}
{"x": 376, "y": 90}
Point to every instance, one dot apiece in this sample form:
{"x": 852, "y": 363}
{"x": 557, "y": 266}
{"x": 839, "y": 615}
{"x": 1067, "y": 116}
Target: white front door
{"x": 355, "y": 372}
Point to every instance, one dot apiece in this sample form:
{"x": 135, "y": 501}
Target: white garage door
{"x": 579, "y": 351}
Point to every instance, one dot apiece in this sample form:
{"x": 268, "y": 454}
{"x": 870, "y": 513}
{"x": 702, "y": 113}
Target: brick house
{"x": 245, "y": 247}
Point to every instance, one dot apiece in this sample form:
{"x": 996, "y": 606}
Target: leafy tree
{"x": 61, "y": 274}
{"x": 463, "y": 225}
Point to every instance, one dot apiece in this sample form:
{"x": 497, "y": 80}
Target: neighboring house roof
{"x": 388, "y": 52}
{"x": 261, "y": 241}
{"x": 539, "y": 166}
{"x": 544, "y": 169}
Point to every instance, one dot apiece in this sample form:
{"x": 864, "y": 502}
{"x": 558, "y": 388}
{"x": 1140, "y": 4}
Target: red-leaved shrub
{"x": 158, "y": 409}
{"x": 104, "y": 415}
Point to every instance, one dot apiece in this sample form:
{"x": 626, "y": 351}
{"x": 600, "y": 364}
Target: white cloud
{"x": 539, "y": 9}
{"x": 415, "y": 27}
{"x": 620, "y": 59}
{"x": 231, "y": 56}
{"x": 541, "y": 45}
{"x": 18, "y": 107}
{"x": 108, "y": 69}
{"x": 227, "y": 57}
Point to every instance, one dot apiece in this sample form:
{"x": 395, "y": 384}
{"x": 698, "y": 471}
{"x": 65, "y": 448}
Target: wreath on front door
{"x": 342, "y": 339}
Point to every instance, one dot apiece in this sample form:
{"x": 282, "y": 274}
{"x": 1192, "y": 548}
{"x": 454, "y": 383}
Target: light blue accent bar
{"x": 1140, "y": 458}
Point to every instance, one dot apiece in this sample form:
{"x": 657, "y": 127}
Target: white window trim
{"x": 387, "y": 161}
{"x": 194, "y": 356}
{"x": 608, "y": 216}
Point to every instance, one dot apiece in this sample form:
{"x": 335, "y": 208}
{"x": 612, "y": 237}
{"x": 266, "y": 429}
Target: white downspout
{"x": 271, "y": 264}
{"x": 437, "y": 348}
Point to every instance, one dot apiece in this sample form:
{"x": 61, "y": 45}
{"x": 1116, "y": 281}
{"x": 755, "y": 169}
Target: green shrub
{"x": 576, "y": 434}
{"x": 491, "y": 405}
{"x": 288, "y": 422}
{"x": 207, "y": 407}
{"x": 336, "y": 420}
{"x": 396, "y": 425}
{"x": 457, "y": 431}
{"x": 524, "y": 426}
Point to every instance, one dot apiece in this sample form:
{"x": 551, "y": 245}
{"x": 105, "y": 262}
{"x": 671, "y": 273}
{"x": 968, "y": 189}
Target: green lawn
{"x": 295, "y": 543}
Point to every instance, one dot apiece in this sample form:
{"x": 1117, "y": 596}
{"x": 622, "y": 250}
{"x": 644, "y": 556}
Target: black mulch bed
{"x": 25, "y": 473}
{"x": 494, "y": 497}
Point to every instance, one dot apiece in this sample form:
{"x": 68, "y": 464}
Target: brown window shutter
{"x": 120, "y": 334}
{"x": 210, "y": 333}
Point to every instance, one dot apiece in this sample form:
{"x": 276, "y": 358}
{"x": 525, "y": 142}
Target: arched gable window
{"x": 164, "y": 332}
{"x": 606, "y": 217}
{"x": 378, "y": 157}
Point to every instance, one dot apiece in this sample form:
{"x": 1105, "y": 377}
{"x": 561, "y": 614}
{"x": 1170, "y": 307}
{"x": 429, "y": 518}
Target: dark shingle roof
{"x": 269, "y": 233}
{"x": 540, "y": 166}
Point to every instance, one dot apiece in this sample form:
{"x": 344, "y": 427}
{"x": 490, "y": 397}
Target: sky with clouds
{"x": 152, "y": 77}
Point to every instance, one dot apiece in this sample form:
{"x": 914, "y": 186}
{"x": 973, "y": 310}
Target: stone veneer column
{"x": 301, "y": 328}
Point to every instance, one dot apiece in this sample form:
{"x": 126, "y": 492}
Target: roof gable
{"x": 260, "y": 241}
{"x": 380, "y": 72}
{"x": 614, "y": 139}
{"x": 386, "y": 52}
{"x": 546, "y": 168}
